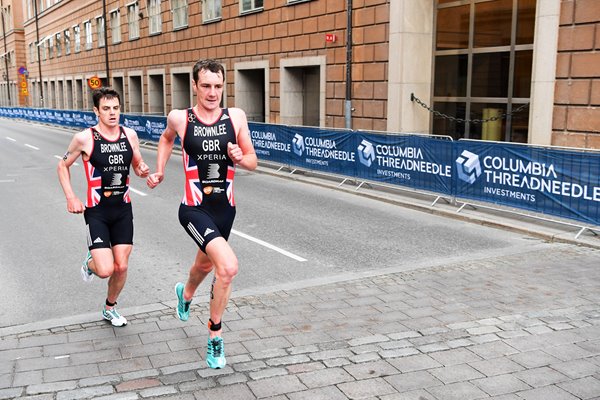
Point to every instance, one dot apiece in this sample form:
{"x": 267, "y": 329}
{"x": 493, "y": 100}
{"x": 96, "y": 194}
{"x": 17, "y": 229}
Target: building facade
{"x": 503, "y": 70}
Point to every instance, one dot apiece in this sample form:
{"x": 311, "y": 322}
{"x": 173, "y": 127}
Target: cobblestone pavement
{"x": 523, "y": 326}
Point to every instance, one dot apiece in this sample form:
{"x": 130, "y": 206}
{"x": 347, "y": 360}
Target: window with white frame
{"x": 67, "y": 36}
{"x": 133, "y": 20}
{"x": 50, "y": 45}
{"x": 250, "y": 5}
{"x": 115, "y": 25}
{"x": 154, "y": 17}
{"x": 42, "y": 46}
{"x": 179, "y": 8}
{"x": 100, "y": 31}
{"x": 32, "y": 51}
{"x": 87, "y": 25}
{"x": 211, "y": 10}
{"x": 58, "y": 44}
{"x": 77, "y": 38}
{"x": 8, "y": 23}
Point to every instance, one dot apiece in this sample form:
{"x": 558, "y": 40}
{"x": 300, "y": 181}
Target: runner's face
{"x": 209, "y": 89}
{"x": 108, "y": 112}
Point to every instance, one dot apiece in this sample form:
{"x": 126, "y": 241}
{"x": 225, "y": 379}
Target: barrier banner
{"x": 270, "y": 142}
{"x": 148, "y": 128}
{"x": 414, "y": 161}
{"x": 551, "y": 181}
{"x": 306, "y": 147}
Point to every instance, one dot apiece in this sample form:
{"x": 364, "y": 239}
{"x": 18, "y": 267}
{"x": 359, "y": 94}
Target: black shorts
{"x": 204, "y": 225}
{"x": 109, "y": 225}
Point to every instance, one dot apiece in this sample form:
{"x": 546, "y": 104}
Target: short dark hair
{"x": 105, "y": 93}
{"x": 209, "y": 65}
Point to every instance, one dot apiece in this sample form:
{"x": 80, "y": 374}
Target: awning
{"x": 44, "y": 39}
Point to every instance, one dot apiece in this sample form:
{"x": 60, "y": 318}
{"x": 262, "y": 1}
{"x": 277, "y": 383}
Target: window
{"x": 7, "y": 18}
{"x": 32, "y": 52}
{"x": 211, "y": 10}
{"x": 179, "y": 8}
{"x": 67, "y": 36}
{"x": 154, "y": 17}
{"x": 50, "y": 43}
{"x": 77, "y": 36}
{"x": 58, "y": 45}
{"x": 115, "y": 26}
{"x": 133, "y": 20}
{"x": 42, "y": 47}
{"x": 100, "y": 31}
{"x": 88, "y": 34}
{"x": 250, "y": 5}
{"x": 482, "y": 68}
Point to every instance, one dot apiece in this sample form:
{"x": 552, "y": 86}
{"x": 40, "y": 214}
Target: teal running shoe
{"x": 114, "y": 317}
{"x": 86, "y": 273}
{"x": 183, "y": 307}
{"x": 215, "y": 353}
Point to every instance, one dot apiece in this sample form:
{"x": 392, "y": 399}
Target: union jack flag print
{"x": 229, "y": 181}
{"x": 193, "y": 188}
{"x": 94, "y": 184}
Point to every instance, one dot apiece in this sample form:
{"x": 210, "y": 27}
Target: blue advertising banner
{"x": 419, "y": 162}
{"x": 148, "y": 128}
{"x": 550, "y": 181}
{"x": 305, "y": 147}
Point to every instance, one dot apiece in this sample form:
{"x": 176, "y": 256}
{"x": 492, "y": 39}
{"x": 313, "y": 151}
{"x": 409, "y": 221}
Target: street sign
{"x": 330, "y": 37}
{"x": 23, "y": 71}
{"x": 94, "y": 82}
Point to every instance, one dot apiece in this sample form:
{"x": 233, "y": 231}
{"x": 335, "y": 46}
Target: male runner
{"x": 214, "y": 141}
{"x": 107, "y": 150}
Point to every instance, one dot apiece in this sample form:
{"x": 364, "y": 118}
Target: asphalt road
{"x": 287, "y": 234}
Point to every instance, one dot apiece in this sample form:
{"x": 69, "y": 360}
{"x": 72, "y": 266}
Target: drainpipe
{"x": 37, "y": 35}
{"x": 106, "y": 42}
{"x": 348, "y": 103}
{"x": 5, "y": 53}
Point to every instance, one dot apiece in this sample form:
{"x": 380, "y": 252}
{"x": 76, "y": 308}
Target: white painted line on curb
{"x": 268, "y": 245}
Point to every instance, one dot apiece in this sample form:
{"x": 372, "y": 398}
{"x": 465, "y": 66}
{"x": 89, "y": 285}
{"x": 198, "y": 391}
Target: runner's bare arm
{"x": 139, "y": 166}
{"x": 75, "y": 149}
{"x": 165, "y": 146}
{"x": 242, "y": 153}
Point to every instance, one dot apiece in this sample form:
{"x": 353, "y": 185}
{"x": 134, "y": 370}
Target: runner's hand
{"x": 75, "y": 206}
{"x": 235, "y": 153}
{"x": 154, "y": 179}
{"x": 142, "y": 170}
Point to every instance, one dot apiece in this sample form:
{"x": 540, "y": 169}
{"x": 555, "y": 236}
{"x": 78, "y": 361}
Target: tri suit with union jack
{"x": 207, "y": 210}
{"x": 108, "y": 214}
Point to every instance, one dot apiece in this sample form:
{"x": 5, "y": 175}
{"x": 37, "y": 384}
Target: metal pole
{"x": 37, "y": 40}
{"x": 348, "y": 102}
{"x": 106, "y": 42}
{"x": 5, "y": 53}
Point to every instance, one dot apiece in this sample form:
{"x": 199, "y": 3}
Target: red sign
{"x": 330, "y": 37}
{"x": 94, "y": 82}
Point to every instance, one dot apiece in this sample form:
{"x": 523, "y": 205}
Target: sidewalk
{"x": 525, "y": 326}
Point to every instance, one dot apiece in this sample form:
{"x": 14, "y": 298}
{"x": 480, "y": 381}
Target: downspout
{"x": 106, "y": 42}
{"x": 37, "y": 40}
{"x": 348, "y": 102}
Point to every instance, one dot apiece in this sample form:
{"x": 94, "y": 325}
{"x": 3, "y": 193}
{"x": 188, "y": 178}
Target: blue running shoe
{"x": 183, "y": 307}
{"x": 86, "y": 273}
{"x": 114, "y": 317}
{"x": 215, "y": 353}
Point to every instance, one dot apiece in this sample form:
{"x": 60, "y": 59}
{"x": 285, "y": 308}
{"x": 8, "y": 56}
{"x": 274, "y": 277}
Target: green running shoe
{"x": 114, "y": 317}
{"x": 183, "y": 307}
{"x": 86, "y": 273}
{"x": 215, "y": 353}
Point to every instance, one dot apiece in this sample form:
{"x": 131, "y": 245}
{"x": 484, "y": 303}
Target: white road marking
{"x": 7, "y": 180}
{"x": 137, "y": 191}
{"x": 31, "y": 147}
{"x": 59, "y": 357}
{"x": 11, "y": 139}
{"x": 269, "y": 246}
